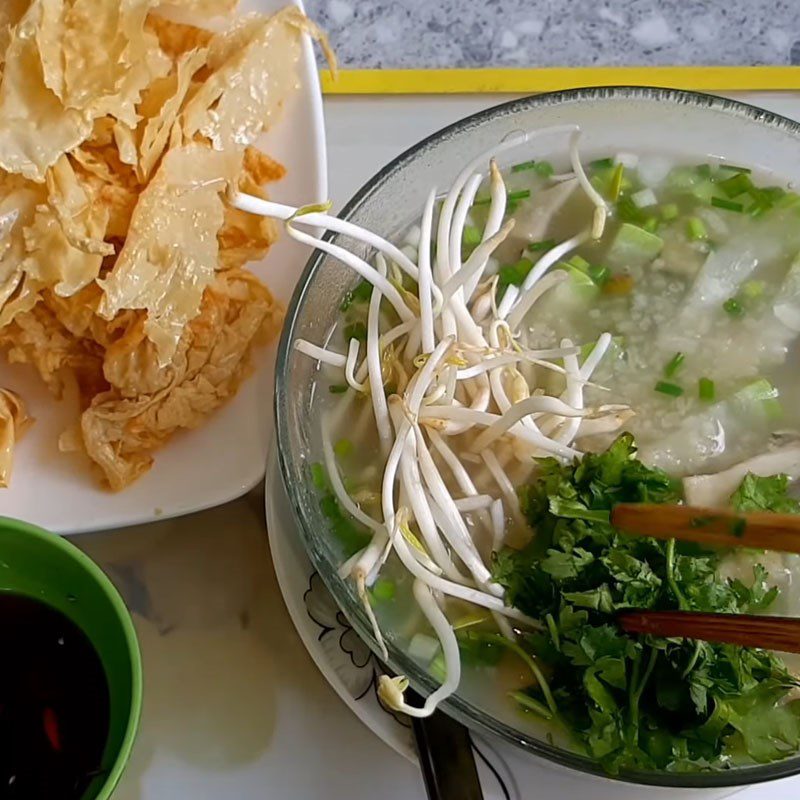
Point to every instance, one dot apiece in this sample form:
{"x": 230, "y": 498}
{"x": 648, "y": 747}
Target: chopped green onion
{"x": 599, "y": 274}
{"x": 733, "y": 307}
{"x": 513, "y": 274}
{"x": 734, "y": 168}
{"x": 789, "y": 200}
{"x": 525, "y": 165}
{"x": 703, "y": 170}
{"x": 511, "y": 208}
{"x": 350, "y": 534}
{"x": 616, "y": 182}
{"x": 343, "y": 448}
{"x": 650, "y": 225}
{"x": 579, "y": 262}
{"x": 696, "y": 229}
{"x": 472, "y": 235}
{"x": 602, "y": 163}
{"x": 765, "y": 199}
{"x": 337, "y": 388}
{"x": 773, "y": 193}
{"x": 738, "y": 184}
{"x": 728, "y": 205}
{"x": 669, "y": 211}
{"x": 628, "y": 211}
{"x": 705, "y": 390}
{"x": 522, "y": 194}
{"x": 544, "y": 169}
{"x": 542, "y": 247}
{"x": 355, "y": 330}
{"x": 671, "y": 389}
{"x": 318, "y": 477}
{"x": 361, "y": 294}
{"x": 383, "y": 589}
{"x": 752, "y": 290}
{"x": 674, "y": 364}
{"x": 436, "y": 668}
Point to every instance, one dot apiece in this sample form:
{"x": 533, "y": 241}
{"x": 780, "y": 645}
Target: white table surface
{"x": 234, "y": 707}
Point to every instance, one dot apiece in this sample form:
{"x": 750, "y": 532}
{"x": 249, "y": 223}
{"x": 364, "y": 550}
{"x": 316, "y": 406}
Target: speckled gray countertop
{"x": 527, "y": 33}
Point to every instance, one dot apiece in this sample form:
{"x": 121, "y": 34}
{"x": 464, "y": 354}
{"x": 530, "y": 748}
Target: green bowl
{"x": 39, "y": 564}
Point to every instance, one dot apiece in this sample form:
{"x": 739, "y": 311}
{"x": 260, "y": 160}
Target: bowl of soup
{"x": 565, "y": 302}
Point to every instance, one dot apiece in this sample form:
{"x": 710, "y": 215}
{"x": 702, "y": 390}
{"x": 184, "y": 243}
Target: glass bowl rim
{"x": 398, "y": 662}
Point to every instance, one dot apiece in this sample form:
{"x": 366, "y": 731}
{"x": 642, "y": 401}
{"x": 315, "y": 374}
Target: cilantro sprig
{"x": 637, "y": 702}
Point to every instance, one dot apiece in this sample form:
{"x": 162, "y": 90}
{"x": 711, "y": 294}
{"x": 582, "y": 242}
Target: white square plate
{"x": 226, "y": 456}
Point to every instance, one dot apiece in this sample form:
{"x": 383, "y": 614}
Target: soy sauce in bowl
{"x": 54, "y": 703}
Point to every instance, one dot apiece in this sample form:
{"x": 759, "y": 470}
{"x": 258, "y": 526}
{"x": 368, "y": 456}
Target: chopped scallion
{"x": 602, "y": 163}
{"x": 628, "y": 211}
{"x": 513, "y": 274}
{"x": 318, "y": 477}
{"x": 383, "y": 589}
{"x": 674, "y": 364}
{"x": 671, "y": 389}
{"x": 337, "y": 388}
{"x": 728, "y": 205}
{"x": 544, "y": 168}
{"x": 522, "y": 194}
{"x": 343, "y": 448}
{"x": 734, "y": 168}
{"x": 752, "y": 290}
{"x": 696, "y": 229}
{"x": 361, "y": 294}
{"x": 616, "y": 182}
{"x": 703, "y": 170}
{"x": 542, "y": 247}
{"x": 579, "y": 262}
{"x": 706, "y": 390}
{"x": 472, "y": 236}
{"x": 599, "y": 274}
{"x": 736, "y": 185}
{"x": 733, "y": 307}
{"x": 669, "y": 211}
{"x": 525, "y": 165}
{"x": 650, "y": 224}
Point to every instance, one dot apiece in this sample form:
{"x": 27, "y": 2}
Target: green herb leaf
{"x": 637, "y": 702}
{"x": 765, "y": 494}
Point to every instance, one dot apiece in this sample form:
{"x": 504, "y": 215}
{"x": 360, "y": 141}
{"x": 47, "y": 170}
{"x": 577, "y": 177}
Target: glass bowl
{"x": 683, "y": 124}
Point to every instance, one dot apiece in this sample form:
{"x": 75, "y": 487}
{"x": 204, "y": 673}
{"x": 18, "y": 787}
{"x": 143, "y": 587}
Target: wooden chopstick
{"x": 761, "y": 530}
{"x": 768, "y": 633}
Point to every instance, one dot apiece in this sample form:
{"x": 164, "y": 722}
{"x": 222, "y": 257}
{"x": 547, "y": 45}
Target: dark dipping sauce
{"x": 54, "y": 703}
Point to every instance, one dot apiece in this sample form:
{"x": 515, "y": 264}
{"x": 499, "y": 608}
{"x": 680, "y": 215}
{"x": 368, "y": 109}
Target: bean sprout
{"x": 464, "y": 414}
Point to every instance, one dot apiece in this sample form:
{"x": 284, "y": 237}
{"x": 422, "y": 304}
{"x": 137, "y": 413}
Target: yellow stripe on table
{"x": 547, "y": 79}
